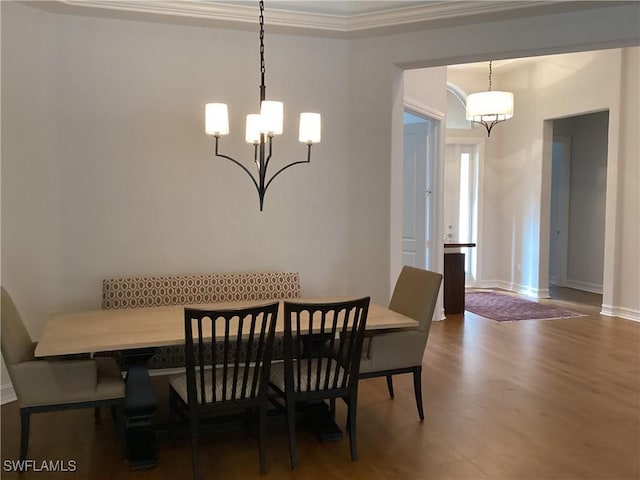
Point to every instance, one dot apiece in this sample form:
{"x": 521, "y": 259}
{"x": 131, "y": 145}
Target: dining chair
{"x": 235, "y": 373}
{"x": 322, "y": 350}
{"x": 396, "y": 352}
{"x": 50, "y": 385}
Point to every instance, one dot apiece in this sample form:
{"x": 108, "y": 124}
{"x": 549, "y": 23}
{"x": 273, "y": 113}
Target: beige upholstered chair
{"x": 391, "y": 353}
{"x": 42, "y": 385}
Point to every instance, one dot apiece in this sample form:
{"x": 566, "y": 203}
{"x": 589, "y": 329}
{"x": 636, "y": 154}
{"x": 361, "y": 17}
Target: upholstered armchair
{"x": 47, "y": 385}
{"x": 395, "y": 352}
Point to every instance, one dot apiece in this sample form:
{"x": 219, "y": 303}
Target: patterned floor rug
{"x": 504, "y": 308}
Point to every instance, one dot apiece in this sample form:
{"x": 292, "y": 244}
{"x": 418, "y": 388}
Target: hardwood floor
{"x": 575, "y": 296}
{"x": 539, "y": 399}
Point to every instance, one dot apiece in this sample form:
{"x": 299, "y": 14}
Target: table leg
{"x": 140, "y": 404}
{"x": 318, "y": 418}
{"x": 316, "y": 414}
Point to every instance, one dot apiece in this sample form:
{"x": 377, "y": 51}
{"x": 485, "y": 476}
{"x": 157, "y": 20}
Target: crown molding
{"x": 432, "y": 11}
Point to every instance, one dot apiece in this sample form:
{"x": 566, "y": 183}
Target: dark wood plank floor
{"x": 549, "y": 399}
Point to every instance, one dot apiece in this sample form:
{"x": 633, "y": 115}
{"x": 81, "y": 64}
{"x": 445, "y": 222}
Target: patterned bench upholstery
{"x": 194, "y": 290}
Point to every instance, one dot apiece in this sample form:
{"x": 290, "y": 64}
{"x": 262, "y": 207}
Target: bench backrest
{"x": 198, "y": 289}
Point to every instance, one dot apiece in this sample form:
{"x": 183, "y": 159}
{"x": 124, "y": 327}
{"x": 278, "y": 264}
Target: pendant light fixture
{"x": 489, "y": 108}
{"x": 261, "y": 128}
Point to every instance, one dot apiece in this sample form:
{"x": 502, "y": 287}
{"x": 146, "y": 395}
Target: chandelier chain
{"x": 262, "y": 68}
{"x": 490, "y": 71}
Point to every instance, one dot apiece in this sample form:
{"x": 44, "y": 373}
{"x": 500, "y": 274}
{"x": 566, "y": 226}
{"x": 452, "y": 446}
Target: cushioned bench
{"x": 193, "y": 290}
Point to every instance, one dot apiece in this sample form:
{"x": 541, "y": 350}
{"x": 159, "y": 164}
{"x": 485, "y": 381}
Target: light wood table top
{"x": 123, "y": 329}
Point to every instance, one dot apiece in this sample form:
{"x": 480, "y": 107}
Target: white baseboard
{"x": 626, "y": 313}
{"x": 7, "y": 394}
{"x": 514, "y": 287}
{"x": 587, "y": 287}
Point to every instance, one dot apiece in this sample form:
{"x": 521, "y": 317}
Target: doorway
{"x": 420, "y": 150}
{"x": 578, "y": 199}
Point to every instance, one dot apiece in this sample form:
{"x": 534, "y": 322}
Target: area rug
{"x": 504, "y": 308}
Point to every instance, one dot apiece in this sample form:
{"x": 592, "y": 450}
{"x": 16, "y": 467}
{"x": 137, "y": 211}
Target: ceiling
{"x": 335, "y": 7}
{"x": 328, "y": 17}
{"x": 504, "y": 64}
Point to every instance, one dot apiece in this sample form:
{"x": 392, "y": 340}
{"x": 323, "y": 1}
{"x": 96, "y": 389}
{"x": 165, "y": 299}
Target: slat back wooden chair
{"x": 322, "y": 350}
{"x": 226, "y": 378}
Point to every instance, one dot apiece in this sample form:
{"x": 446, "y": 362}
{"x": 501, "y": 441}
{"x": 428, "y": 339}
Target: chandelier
{"x": 261, "y": 128}
{"x": 489, "y": 108}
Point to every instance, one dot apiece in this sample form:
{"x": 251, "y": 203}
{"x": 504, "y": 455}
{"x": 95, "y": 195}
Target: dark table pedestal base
{"x": 317, "y": 418}
{"x": 140, "y": 404}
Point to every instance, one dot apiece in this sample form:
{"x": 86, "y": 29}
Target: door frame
{"x": 435, "y": 172}
{"x": 611, "y": 212}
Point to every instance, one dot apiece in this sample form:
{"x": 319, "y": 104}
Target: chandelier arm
{"x": 308, "y": 160}
{"x": 488, "y": 125}
{"x": 266, "y": 162}
{"x": 246, "y": 170}
{"x": 255, "y": 156}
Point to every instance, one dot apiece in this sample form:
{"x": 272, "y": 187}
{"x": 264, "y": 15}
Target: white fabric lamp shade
{"x": 489, "y": 106}
{"x": 216, "y": 119}
{"x": 310, "y": 125}
{"x": 272, "y": 117}
{"x": 254, "y": 126}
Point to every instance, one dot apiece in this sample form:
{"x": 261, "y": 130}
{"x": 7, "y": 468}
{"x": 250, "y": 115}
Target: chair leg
{"x": 417, "y": 388}
{"x": 173, "y": 415}
{"x": 262, "y": 437}
{"x": 24, "y": 434}
{"x": 390, "y": 385}
{"x": 353, "y": 401}
{"x": 195, "y": 454}
{"x": 291, "y": 424}
{"x": 347, "y": 425}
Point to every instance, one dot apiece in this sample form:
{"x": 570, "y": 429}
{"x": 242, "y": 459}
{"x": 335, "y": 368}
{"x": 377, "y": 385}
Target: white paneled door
{"x": 420, "y": 148}
{"x": 560, "y": 201}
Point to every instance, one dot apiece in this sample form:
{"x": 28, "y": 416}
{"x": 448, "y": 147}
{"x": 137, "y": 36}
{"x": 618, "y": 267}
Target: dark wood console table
{"x": 454, "y": 278}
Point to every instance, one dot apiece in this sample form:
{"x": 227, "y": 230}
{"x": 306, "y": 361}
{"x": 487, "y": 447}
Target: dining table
{"x": 137, "y": 332}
